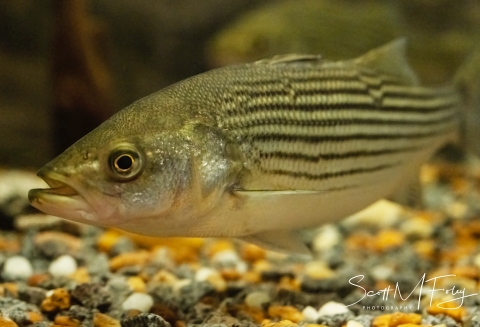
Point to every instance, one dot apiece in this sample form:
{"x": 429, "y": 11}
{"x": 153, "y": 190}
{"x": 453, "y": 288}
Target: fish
{"x": 337, "y": 29}
{"x": 258, "y": 151}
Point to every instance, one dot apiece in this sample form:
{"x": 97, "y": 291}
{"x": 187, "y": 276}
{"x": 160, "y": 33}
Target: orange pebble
{"x": 397, "y": 318}
{"x": 11, "y": 288}
{"x": 230, "y": 274}
{"x": 285, "y": 313}
{"x": 5, "y": 322}
{"x": 102, "y": 320}
{"x": 425, "y": 248}
{"x": 283, "y": 323}
{"x": 81, "y": 275}
{"x": 34, "y": 317}
{"x": 451, "y": 309}
{"x": 219, "y": 246}
{"x": 138, "y": 258}
{"x": 72, "y": 243}
{"x": 57, "y": 299}
{"x": 136, "y": 284}
{"x": 37, "y": 279}
{"x": 67, "y": 321}
{"x": 388, "y": 239}
{"x": 107, "y": 240}
{"x": 252, "y": 253}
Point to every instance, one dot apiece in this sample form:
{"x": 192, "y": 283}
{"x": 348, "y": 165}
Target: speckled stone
{"x": 30, "y": 294}
{"x": 145, "y": 320}
{"x": 93, "y": 296}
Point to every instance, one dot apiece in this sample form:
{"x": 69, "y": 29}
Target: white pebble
{"x": 138, "y": 301}
{"x": 353, "y": 323}
{"x": 64, "y": 265}
{"x": 257, "y": 299}
{"x": 204, "y": 273}
{"x": 381, "y": 272}
{"x": 332, "y": 308}
{"x": 310, "y": 314}
{"x": 226, "y": 257}
{"x": 18, "y": 266}
{"x": 327, "y": 237}
{"x": 382, "y": 213}
{"x": 476, "y": 260}
{"x": 417, "y": 227}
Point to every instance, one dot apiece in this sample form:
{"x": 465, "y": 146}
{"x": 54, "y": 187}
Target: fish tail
{"x": 467, "y": 81}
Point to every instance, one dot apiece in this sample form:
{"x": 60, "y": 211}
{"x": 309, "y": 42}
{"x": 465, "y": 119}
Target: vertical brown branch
{"x": 81, "y": 83}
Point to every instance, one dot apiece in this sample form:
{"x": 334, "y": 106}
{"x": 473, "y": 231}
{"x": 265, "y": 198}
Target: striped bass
{"x": 256, "y": 151}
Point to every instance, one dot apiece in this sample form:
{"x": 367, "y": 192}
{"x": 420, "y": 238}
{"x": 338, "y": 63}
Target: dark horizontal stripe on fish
{"x": 334, "y": 156}
{"x": 284, "y": 121}
{"x": 246, "y": 109}
{"x": 341, "y": 173}
{"x": 341, "y": 138}
{"x": 297, "y": 92}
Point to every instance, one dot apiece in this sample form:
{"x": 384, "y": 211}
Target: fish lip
{"x": 62, "y": 199}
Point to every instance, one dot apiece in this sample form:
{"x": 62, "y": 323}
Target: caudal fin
{"x": 467, "y": 80}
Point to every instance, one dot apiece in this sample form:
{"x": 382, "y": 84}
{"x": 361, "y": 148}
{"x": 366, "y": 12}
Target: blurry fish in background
{"x": 336, "y": 29}
{"x": 339, "y": 29}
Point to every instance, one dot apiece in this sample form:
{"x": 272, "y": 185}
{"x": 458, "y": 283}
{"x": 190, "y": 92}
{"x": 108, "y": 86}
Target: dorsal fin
{"x": 289, "y": 58}
{"x": 390, "y": 59}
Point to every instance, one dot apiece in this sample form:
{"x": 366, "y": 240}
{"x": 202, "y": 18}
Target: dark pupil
{"x": 124, "y": 162}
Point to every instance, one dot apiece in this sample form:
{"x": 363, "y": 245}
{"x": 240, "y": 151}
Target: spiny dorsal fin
{"x": 289, "y": 58}
{"x": 390, "y": 59}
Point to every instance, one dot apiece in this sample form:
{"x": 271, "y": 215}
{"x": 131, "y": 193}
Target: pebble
{"x": 103, "y": 320}
{"x": 225, "y": 258}
{"x": 56, "y": 300}
{"x": 382, "y": 213}
{"x": 67, "y": 321}
{"x": 326, "y": 238}
{"x": 138, "y": 301}
{"x": 137, "y": 284}
{"x": 123, "y": 260}
{"x": 417, "y": 227}
{"x": 64, "y": 265}
{"x": 252, "y": 253}
{"x": 282, "y": 323}
{"x": 257, "y": 299}
{"x": 353, "y": 323}
{"x": 54, "y": 244}
{"x": 397, "y": 318}
{"x": 6, "y": 322}
{"x": 318, "y": 270}
{"x": 285, "y": 313}
{"x": 333, "y": 308}
{"x": 450, "y": 309}
{"x": 310, "y": 313}
{"x": 93, "y": 296}
{"x": 17, "y": 267}
{"x": 145, "y": 320}
{"x": 36, "y": 221}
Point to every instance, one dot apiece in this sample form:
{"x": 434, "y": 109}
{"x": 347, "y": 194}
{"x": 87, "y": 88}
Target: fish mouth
{"x": 62, "y": 199}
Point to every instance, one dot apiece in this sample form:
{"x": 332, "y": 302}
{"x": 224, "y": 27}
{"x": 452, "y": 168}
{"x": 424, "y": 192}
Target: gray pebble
{"x": 430, "y": 320}
{"x": 30, "y": 294}
{"x": 145, "y": 320}
{"x": 93, "y": 296}
{"x": 365, "y": 320}
{"x": 335, "y": 320}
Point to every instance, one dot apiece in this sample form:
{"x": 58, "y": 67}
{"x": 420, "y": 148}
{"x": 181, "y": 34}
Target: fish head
{"x": 149, "y": 181}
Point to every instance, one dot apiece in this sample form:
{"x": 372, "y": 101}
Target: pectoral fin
{"x": 279, "y": 241}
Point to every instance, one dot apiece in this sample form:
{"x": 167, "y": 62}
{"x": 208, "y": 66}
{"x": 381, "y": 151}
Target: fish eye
{"x": 125, "y": 163}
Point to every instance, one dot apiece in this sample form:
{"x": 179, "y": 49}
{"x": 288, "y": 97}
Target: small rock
{"x": 17, "y": 267}
{"x": 31, "y": 294}
{"x": 54, "y": 244}
{"x": 6, "y": 322}
{"x": 417, "y": 227}
{"x": 225, "y": 258}
{"x": 67, "y": 321}
{"x": 139, "y": 301}
{"x": 285, "y": 313}
{"x": 92, "y": 296}
{"x": 137, "y": 284}
{"x": 332, "y": 308}
{"x": 123, "y": 260}
{"x": 64, "y": 265}
{"x": 318, "y": 270}
{"x": 102, "y": 320}
{"x": 353, "y": 323}
{"x": 310, "y": 313}
{"x": 326, "y": 238}
{"x": 36, "y": 221}
{"x": 145, "y": 319}
{"x": 56, "y": 300}
{"x": 252, "y": 253}
{"x": 257, "y": 299}
{"x": 282, "y": 323}
{"x": 396, "y": 318}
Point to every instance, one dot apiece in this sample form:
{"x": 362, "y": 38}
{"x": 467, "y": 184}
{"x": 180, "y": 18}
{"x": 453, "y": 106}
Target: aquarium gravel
{"x": 387, "y": 266}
